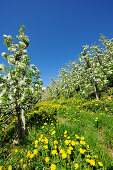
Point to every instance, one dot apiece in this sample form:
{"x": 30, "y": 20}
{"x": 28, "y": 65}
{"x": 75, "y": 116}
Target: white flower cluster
{"x": 2, "y": 68}
{"x": 11, "y": 60}
{"x": 22, "y": 44}
{"x": 24, "y": 51}
{"x": 12, "y": 49}
{"x": 7, "y": 36}
{"x": 4, "y": 55}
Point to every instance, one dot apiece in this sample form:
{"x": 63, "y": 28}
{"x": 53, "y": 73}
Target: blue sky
{"x": 57, "y": 29}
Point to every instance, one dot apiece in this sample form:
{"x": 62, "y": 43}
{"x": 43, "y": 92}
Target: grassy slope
{"x": 81, "y": 117}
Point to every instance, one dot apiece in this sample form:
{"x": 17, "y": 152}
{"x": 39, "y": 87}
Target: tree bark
{"x": 97, "y": 92}
{"x": 20, "y": 131}
{"x": 23, "y": 122}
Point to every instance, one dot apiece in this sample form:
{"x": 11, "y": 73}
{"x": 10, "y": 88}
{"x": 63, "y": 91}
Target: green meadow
{"x": 63, "y": 134}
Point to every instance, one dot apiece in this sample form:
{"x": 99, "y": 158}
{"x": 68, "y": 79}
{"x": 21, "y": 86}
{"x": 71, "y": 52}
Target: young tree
{"x": 21, "y": 87}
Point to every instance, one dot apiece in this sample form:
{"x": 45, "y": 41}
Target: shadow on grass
{"x": 31, "y": 121}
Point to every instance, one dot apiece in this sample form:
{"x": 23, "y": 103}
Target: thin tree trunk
{"x": 97, "y": 92}
{"x": 20, "y": 132}
{"x": 23, "y": 121}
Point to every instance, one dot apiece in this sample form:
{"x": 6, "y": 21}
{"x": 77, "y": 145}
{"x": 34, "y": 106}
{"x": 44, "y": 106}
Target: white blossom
{"x": 5, "y": 36}
{"x": 14, "y": 90}
{"x": 3, "y": 54}
{"x": 16, "y": 45}
{"x": 12, "y": 49}
{"x": 110, "y": 72}
{"x": 2, "y": 66}
{"x": 32, "y": 65}
{"x": 36, "y": 85}
{"x": 24, "y": 51}
{"x": 11, "y": 60}
{"x": 22, "y": 82}
{"x": 10, "y": 97}
{"x": 5, "y": 77}
{"x": 20, "y": 36}
{"x": 2, "y": 93}
{"x": 9, "y": 76}
{"x": 98, "y": 64}
{"x": 22, "y": 44}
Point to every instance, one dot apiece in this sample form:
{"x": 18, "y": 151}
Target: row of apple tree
{"x": 92, "y": 72}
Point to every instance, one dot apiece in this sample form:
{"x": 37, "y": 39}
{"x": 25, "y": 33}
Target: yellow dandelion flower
{"x": 87, "y": 146}
{"x": 0, "y": 167}
{"x": 73, "y": 143}
{"x": 16, "y": 150}
{"x": 68, "y": 137}
{"x": 77, "y": 137}
{"x": 82, "y": 138}
{"x": 100, "y": 163}
{"x": 53, "y": 167}
{"x": 46, "y": 140}
{"x": 21, "y": 160}
{"x": 53, "y": 132}
{"x": 24, "y": 165}
{"x": 47, "y": 159}
{"x": 36, "y": 142}
{"x": 55, "y": 142}
{"x": 42, "y": 140}
{"x": 36, "y": 146}
{"x": 82, "y": 142}
{"x": 31, "y": 156}
{"x": 88, "y": 160}
{"x": 55, "y": 146}
{"x": 54, "y": 152}
{"x": 96, "y": 119}
{"x": 106, "y": 109}
{"x": 64, "y": 155}
{"x": 45, "y": 146}
{"x": 67, "y": 142}
{"x": 62, "y": 151}
{"x": 65, "y": 132}
{"x": 28, "y": 153}
{"x": 76, "y": 143}
{"x": 35, "y": 151}
{"x": 10, "y": 167}
{"x": 88, "y": 156}
{"x": 82, "y": 150}
{"x": 92, "y": 162}
{"x": 41, "y": 136}
{"x": 71, "y": 148}
{"x": 76, "y": 165}
{"x": 96, "y": 156}
{"x": 69, "y": 151}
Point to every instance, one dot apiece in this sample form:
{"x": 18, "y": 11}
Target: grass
{"x": 64, "y": 134}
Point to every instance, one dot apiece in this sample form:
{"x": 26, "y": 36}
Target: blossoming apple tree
{"x": 20, "y": 88}
{"x": 93, "y": 72}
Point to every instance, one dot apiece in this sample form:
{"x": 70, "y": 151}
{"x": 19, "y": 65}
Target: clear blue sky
{"x": 57, "y": 29}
